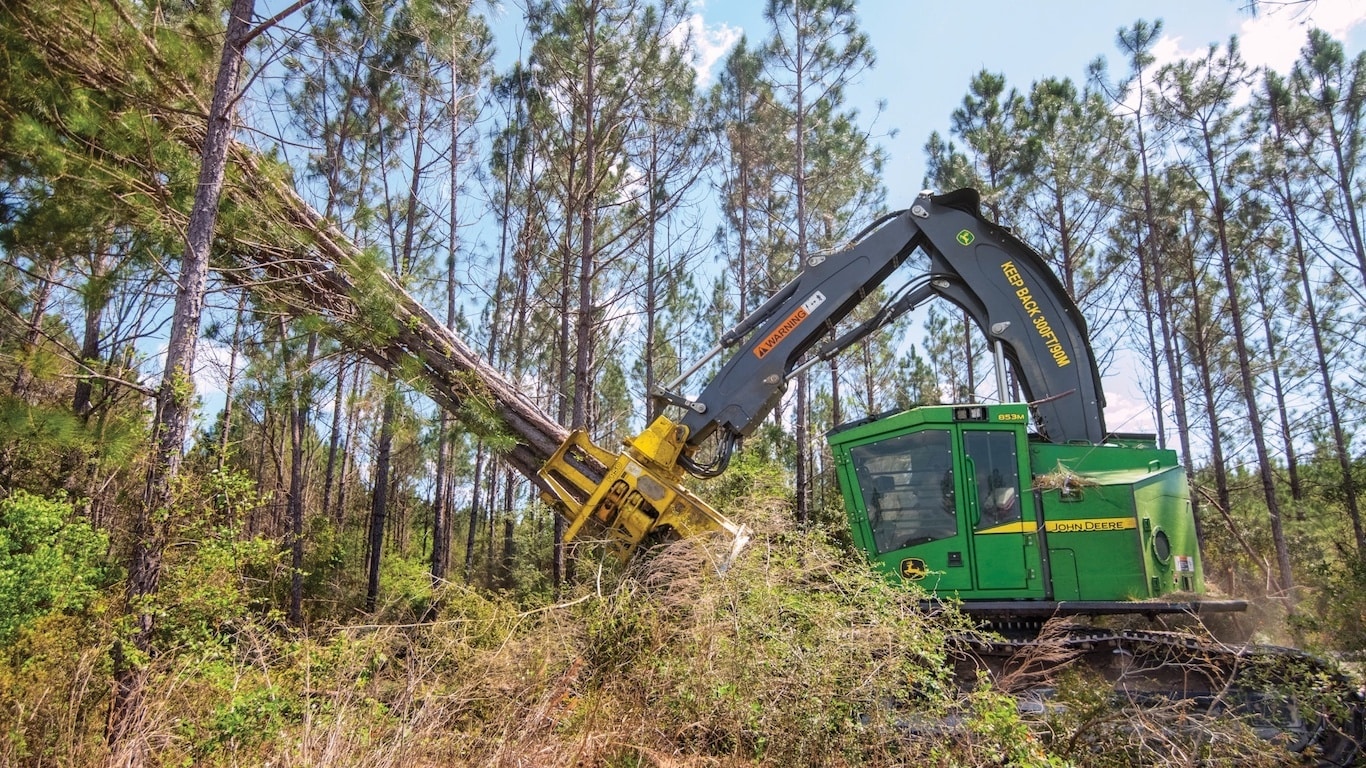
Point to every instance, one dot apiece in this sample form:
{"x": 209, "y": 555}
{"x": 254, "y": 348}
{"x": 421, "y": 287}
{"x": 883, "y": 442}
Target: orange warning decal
{"x": 789, "y": 325}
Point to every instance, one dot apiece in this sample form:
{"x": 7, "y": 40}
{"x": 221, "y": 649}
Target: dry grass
{"x": 790, "y": 657}
{"x": 1061, "y": 479}
{"x": 795, "y": 655}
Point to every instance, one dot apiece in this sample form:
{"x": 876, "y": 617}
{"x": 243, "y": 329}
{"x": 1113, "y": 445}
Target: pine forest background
{"x": 589, "y": 220}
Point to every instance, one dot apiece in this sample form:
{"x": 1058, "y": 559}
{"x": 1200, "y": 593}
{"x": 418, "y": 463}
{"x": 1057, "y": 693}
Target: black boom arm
{"x": 1004, "y": 285}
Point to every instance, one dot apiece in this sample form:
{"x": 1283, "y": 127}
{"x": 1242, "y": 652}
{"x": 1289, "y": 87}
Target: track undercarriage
{"x": 1159, "y": 683}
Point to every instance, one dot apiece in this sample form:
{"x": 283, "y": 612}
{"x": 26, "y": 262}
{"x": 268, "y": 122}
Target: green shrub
{"x": 50, "y": 560}
{"x": 214, "y": 580}
{"x": 1332, "y": 617}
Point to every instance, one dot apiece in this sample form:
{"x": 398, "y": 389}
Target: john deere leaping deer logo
{"x": 914, "y": 569}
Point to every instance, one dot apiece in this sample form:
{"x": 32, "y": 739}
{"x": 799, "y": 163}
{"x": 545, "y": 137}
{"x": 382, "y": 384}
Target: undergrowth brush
{"x": 796, "y": 654}
{"x": 789, "y": 657}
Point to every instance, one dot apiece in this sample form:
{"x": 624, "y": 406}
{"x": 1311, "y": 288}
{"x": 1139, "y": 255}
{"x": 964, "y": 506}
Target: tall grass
{"x": 796, "y": 655}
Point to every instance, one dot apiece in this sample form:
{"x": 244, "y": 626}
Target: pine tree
{"x": 1332, "y": 90}
{"x": 814, "y": 51}
{"x": 1066, "y": 168}
{"x": 1290, "y": 172}
{"x": 1137, "y": 43}
{"x": 174, "y": 396}
{"x": 668, "y": 148}
{"x": 1197, "y": 331}
{"x": 1198, "y": 103}
{"x": 745, "y": 112}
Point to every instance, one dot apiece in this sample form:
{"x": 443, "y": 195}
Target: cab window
{"x": 996, "y": 474}
{"x": 907, "y": 487}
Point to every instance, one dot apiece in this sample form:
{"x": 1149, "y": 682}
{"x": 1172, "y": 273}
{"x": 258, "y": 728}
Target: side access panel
{"x": 1095, "y": 529}
{"x": 1123, "y": 516}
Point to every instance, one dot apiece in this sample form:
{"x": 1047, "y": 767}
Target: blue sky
{"x": 928, "y": 51}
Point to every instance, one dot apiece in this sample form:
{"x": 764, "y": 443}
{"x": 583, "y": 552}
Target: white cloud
{"x": 709, "y": 42}
{"x": 1168, "y": 50}
{"x": 1271, "y": 39}
{"x": 1126, "y": 408}
{"x": 1274, "y": 37}
{"x": 212, "y": 360}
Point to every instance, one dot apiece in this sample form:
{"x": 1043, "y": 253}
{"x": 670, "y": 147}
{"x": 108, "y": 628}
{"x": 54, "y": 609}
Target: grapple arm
{"x": 639, "y": 495}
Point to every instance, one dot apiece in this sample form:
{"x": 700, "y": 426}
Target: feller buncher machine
{"x": 966, "y": 500}
{"x": 1016, "y": 511}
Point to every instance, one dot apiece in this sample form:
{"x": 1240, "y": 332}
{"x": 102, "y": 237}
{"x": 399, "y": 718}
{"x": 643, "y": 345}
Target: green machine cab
{"x": 964, "y": 501}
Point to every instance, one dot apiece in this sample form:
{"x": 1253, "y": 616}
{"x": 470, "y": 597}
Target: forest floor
{"x": 795, "y": 655}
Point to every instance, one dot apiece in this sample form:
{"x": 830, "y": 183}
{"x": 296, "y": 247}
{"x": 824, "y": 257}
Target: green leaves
{"x": 50, "y": 560}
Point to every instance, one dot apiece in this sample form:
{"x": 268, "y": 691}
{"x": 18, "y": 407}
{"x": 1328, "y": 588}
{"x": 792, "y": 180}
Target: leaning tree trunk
{"x": 297, "y": 260}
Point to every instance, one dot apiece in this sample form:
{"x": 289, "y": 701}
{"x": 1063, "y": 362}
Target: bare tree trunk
{"x": 1248, "y": 387}
{"x": 564, "y": 407}
{"x": 802, "y": 417}
{"x": 509, "y": 555}
{"x": 802, "y": 476}
{"x": 1199, "y": 345}
{"x": 348, "y": 450}
{"x": 968, "y": 333}
{"x": 836, "y": 407}
{"x": 509, "y": 499}
{"x": 151, "y": 522}
{"x": 1151, "y": 257}
{"x": 562, "y": 380}
{"x": 490, "y": 551}
{"x": 584, "y": 315}
{"x": 653, "y": 407}
{"x": 90, "y": 337}
{"x": 1145, "y": 294}
{"x": 230, "y": 386}
{"x": 334, "y": 443}
{"x": 301, "y": 392}
{"x": 1273, "y": 354}
{"x": 1151, "y": 260}
{"x": 379, "y": 506}
{"x": 472, "y": 533}
{"x": 441, "y": 503}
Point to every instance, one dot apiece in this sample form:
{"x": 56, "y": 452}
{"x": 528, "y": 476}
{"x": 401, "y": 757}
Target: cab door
{"x": 999, "y": 512}
{"x": 905, "y": 512}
